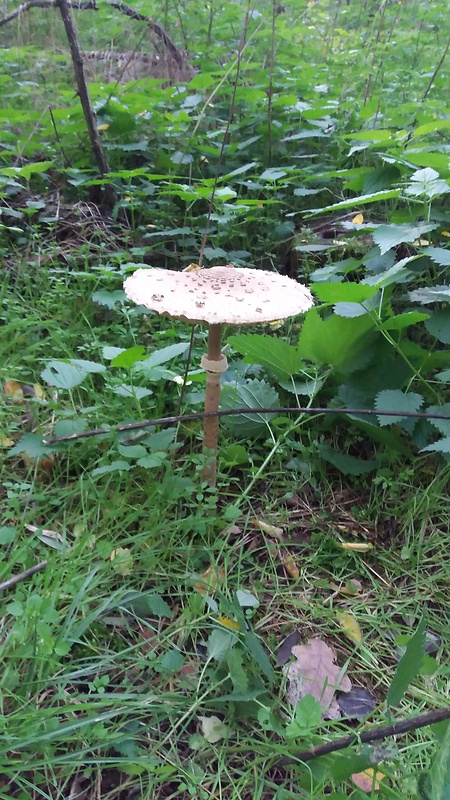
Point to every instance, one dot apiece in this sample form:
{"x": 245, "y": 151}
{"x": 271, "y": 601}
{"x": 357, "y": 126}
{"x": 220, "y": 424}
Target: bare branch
{"x": 21, "y": 576}
{"x": 404, "y": 726}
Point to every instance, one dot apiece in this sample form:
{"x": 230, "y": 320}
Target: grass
{"x": 133, "y": 632}
{"x": 105, "y": 665}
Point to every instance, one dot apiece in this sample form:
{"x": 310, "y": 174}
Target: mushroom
{"x": 217, "y": 296}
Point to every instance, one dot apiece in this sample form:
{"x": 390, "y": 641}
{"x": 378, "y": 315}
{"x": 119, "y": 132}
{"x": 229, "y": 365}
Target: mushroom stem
{"x": 214, "y": 363}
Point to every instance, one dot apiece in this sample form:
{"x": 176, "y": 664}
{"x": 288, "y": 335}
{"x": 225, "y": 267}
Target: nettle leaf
{"x": 440, "y": 255}
{"x": 431, "y": 294}
{"x": 87, "y": 366}
{"x": 128, "y": 357}
{"x": 163, "y": 355}
{"x": 115, "y": 466}
{"x": 409, "y": 666}
{"x": 396, "y": 400}
{"x": 345, "y": 463}
{"x": 427, "y": 182}
{"x": 388, "y": 236}
{"x": 348, "y": 292}
{"x": 272, "y": 352}
{"x": 31, "y": 444}
{"x": 63, "y": 375}
{"x": 250, "y": 394}
{"x": 109, "y": 299}
{"x": 444, "y": 376}
{"x": 342, "y": 343}
{"x": 272, "y": 174}
{"x": 352, "y": 310}
{"x": 401, "y": 321}
{"x": 355, "y": 202}
{"x": 441, "y": 446}
{"x": 438, "y": 325}
{"x": 136, "y": 392}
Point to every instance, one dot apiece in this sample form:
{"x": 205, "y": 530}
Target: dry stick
{"x": 21, "y": 576}
{"x": 89, "y": 115}
{"x": 148, "y": 423}
{"x": 404, "y": 726}
{"x": 433, "y": 77}
{"x": 90, "y": 5}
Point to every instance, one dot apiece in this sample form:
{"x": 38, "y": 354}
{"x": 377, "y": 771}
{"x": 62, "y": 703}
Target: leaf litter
{"x": 315, "y": 672}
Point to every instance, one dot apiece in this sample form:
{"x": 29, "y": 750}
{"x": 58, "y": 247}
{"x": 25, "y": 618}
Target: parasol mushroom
{"x": 217, "y": 296}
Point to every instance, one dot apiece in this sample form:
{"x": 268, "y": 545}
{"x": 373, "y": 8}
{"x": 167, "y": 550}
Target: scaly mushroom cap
{"x": 218, "y": 295}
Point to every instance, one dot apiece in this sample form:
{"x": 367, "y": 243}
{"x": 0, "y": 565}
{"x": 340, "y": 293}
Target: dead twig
{"x": 404, "y": 726}
{"x": 22, "y": 576}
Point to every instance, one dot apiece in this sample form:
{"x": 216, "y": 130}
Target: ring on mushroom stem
{"x": 217, "y": 296}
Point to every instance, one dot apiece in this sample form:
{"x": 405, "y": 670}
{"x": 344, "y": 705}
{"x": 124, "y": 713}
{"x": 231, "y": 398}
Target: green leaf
{"x": 388, "y": 236}
{"x": 238, "y": 675}
{"x": 343, "y": 292}
{"x": 87, "y": 366}
{"x": 63, "y": 375}
{"x": 355, "y": 202}
{"x": 136, "y": 392}
{"x": 128, "y": 357}
{"x": 115, "y": 466}
{"x": 439, "y": 774}
{"x": 409, "y": 666}
{"x": 272, "y": 352}
{"x": 171, "y": 662}
{"x": 444, "y": 376}
{"x": 441, "y": 446}
{"x": 401, "y": 321}
{"x": 31, "y": 444}
{"x": 158, "y": 606}
{"x": 259, "y": 655}
{"x": 250, "y": 394}
{"x": 342, "y": 343}
{"x": 66, "y": 427}
{"x": 308, "y": 716}
{"x": 345, "y": 463}
{"x": 439, "y": 255}
{"x": 219, "y": 643}
{"x": 272, "y": 174}
{"x": 7, "y": 534}
{"x": 109, "y": 299}
{"x": 162, "y": 356}
{"x": 396, "y": 400}
{"x": 431, "y": 294}
{"x": 438, "y": 325}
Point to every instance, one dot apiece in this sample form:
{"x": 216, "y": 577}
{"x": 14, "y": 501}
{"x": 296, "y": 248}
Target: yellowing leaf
{"x": 213, "y": 729}
{"x": 445, "y": 233}
{"x": 103, "y": 127}
{"x": 192, "y": 268}
{"x": 14, "y": 390}
{"x": 352, "y": 588}
{"x": 277, "y": 323}
{"x": 290, "y": 565}
{"x": 356, "y": 547}
{"x": 358, "y": 219}
{"x": 228, "y": 623}
{"x": 5, "y": 442}
{"x": 38, "y": 391}
{"x": 211, "y": 579}
{"x": 368, "y": 780}
{"x": 350, "y": 626}
{"x": 271, "y": 530}
{"x": 122, "y": 560}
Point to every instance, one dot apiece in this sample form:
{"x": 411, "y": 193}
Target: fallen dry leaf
{"x": 270, "y": 530}
{"x": 314, "y": 672}
{"x": 350, "y": 626}
{"x": 122, "y": 560}
{"x": 368, "y": 780}
{"x": 290, "y": 565}
{"x": 14, "y": 390}
{"x": 352, "y": 588}
{"x": 48, "y": 537}
{"x": 231, "y": 624}
{"x": 211, "y": 579}
{"x": 213, "y": 729}
{"x": 356, "y": 547}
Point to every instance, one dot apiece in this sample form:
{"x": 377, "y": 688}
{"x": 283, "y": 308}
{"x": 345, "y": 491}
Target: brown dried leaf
{"x": 14, "y": 390}
{"x": 368, "y": 780}
{"x": 211, "y": 580}
{"x": 314, "y": 672}
{"x": 290, "y": 565}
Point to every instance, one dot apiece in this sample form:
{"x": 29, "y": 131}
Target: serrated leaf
{"x": 250, "y": 394}
{"x": 409, "y": 666}
{"x": 395, "y": 399}
{"x": 441, "y": 446}
{"x": 440, "y": 255}
{"x": 308, "y": 716}
{"x": 342, "y": 343}
{"x": 128, "y": 357}
{"x": 63, "y": 375}
{"x": 87, "y": 366}
{"x": 31, "y": 444}
{"x": 388, "y": 236}
{"x": 431, "y": 294}
{"x": 67, "y": 427}
{"x": 444, "y": 376}
{"x": 373, "y": 197}
{"x": 401, "y": 321}
{"x": 343, "y": 292}
{"x": 272, "y": 352}
{"x": 162, "y": 356}
{"x": 238, "y": 675}
{"x": 345, "y": 463}
{"x": 438, "y": 325}
{"x": 442, "y": 425}
{"x": 115, "y": 466}
{"x": 109, "y": 299}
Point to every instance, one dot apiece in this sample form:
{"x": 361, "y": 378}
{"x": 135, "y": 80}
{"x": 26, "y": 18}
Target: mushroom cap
{"x": 218, "y": 295}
